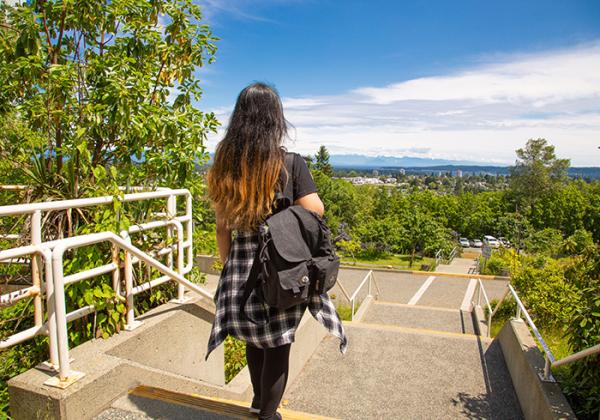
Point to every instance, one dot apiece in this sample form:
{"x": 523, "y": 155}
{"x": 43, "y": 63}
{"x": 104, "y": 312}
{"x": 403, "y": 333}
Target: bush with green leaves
{"x": 235, "y": 357}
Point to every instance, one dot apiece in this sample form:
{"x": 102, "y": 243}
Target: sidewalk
{"x": 458, "y": 265}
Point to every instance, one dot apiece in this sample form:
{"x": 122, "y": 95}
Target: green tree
{"x": 322, "y": 161}
{"x": 105, "y": 83}
{"x": 537, "y": 173}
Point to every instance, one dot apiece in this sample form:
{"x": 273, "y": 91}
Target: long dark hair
{"x": 249, "y": 159}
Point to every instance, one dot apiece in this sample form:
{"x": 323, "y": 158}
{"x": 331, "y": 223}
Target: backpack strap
{"x": 285, "y": 198}
{"x": 252, "y": 281}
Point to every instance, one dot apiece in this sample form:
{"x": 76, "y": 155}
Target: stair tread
{"x": 444, "y": 319}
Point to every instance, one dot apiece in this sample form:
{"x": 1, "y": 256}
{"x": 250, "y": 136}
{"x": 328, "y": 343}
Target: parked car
{"x": 504, "y": 242}
{"x": 464, "y": 242}
{"x": 476, "y": 243}
{"x": 491, "y": 241}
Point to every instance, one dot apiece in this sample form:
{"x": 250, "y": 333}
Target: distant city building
{"x": 402, "y": 171}
{"x": 459, "y": 173}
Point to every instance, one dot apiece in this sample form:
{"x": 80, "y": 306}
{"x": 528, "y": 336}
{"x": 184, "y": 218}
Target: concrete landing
{"x": 412, "y": 316}
{"x": 400, "y": 374}
{"x": 446, "y": 292}
{"x": 458, "y": 265}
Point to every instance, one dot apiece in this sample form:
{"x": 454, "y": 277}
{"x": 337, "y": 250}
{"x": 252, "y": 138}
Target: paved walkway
{"x": 458, "y": 265}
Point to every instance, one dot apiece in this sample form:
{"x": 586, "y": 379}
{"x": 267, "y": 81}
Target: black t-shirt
{"x": 302, "y": 183}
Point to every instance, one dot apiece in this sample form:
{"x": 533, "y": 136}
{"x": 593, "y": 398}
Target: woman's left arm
{"x": 223, "y": 239}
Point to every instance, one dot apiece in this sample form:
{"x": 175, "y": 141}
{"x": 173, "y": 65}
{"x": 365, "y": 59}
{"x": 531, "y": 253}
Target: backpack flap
{"x": 287, "y": 237}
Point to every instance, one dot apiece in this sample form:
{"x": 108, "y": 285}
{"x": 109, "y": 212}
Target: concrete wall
{"x": 538, "y": 399}
{"x": 167, "y": 351}
{"x": 206, "y": 264}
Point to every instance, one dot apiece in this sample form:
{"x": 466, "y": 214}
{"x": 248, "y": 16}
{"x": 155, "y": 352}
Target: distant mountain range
{"x": 425, "y": 165}
{"x": 362, "y": 161}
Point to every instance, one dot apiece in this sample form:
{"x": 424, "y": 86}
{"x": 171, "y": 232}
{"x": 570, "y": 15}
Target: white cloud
{"x": 482, "y": 113}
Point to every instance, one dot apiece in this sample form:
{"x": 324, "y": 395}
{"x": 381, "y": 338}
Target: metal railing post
{"x": 130, "y": 322}
{"x": 65, "y": 375}
{"x": 36, "y": 277}
{"x": 547, "y": 368}
{"x": 116, "y": 274}
{"x": 50, "y": 305}
{"x": 189, "y": 231}
{"x": 171, "y": 213}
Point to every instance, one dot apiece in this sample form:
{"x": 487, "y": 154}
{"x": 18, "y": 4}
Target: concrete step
{"x": 146, "y": 402}
{"x": 414, "y": 316}
{"x": 394, "y": 372}
{"x": 447, "y": 292}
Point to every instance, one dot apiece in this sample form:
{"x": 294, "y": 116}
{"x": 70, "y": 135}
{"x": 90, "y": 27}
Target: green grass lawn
{"x": 396, "y": 261}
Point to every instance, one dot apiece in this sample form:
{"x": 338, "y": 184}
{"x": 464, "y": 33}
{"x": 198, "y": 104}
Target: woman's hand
{"x": 311, "y": 202}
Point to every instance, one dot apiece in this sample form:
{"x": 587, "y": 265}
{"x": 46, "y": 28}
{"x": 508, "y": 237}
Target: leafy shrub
{"x": 235, "y": 357}
{"x": 582, "y": 380}
{"x": 546, "y": 293}
{"x": 545, "y": 242}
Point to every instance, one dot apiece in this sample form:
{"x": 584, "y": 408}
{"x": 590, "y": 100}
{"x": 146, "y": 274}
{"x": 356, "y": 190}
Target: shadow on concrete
{"x": 191, "y": 308}
{"x": 500, "y": 400}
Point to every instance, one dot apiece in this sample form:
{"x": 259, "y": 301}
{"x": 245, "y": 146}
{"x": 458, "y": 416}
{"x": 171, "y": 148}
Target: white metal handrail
{"x": 481, "y": 292}
{"x": 368, "y": 279}
{"x": 452, "y": 255}
{"x": 549, "y": 359}
{"x": 42, "y": 250}
{"x": 438, "y": 257}
{"x": 65, "y": 374}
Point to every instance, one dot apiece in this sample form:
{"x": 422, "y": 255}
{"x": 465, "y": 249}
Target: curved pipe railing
{"x": 65, "y": 374}
{"x": 549, "y": 359}
{"x": 370, "y": 277}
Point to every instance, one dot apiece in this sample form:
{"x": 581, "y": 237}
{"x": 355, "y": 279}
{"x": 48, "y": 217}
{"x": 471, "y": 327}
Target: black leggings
{"x": 268, "y": 373}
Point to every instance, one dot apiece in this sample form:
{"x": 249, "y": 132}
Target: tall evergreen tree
{"x": 322, "y": 161}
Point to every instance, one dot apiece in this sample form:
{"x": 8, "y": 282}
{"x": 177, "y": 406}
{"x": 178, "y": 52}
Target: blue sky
{"x": 468, "y": 80}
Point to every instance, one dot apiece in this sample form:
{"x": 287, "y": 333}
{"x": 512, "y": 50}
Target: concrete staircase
{"x": 414, "y": 353}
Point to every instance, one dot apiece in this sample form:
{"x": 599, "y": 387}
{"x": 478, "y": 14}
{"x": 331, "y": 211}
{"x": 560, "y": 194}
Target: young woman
{"x": 248, "y": 169}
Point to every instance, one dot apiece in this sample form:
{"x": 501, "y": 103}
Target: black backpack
{"x": 294, "y": 258}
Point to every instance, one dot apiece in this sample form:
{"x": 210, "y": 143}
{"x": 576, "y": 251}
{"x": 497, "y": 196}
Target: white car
{"x": 504, "y": 242}
{"x": 477, "y": 243}
{"x": 464, "y": 242}
{"x": 491, "y": 241}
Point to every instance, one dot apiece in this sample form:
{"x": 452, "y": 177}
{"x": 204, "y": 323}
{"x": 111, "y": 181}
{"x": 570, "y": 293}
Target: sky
{"x": 449, "y": 79}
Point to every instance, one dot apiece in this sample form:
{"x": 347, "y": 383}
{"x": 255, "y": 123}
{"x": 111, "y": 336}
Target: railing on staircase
{"x": 439, "y": 256}
{"x": 369, "y": 280}
{"x": 47, "y": 257}
{"x": 452, "y": 255}
{"x": 521, "y": 312}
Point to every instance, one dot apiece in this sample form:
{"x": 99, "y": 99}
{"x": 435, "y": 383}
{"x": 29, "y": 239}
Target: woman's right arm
{"x": 311, "y": 202}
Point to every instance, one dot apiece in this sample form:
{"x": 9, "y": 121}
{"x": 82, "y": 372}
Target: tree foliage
{"x": 537, "y": 173}
{"x": 322, "y": 161}
{"x": 99, "y": 83}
